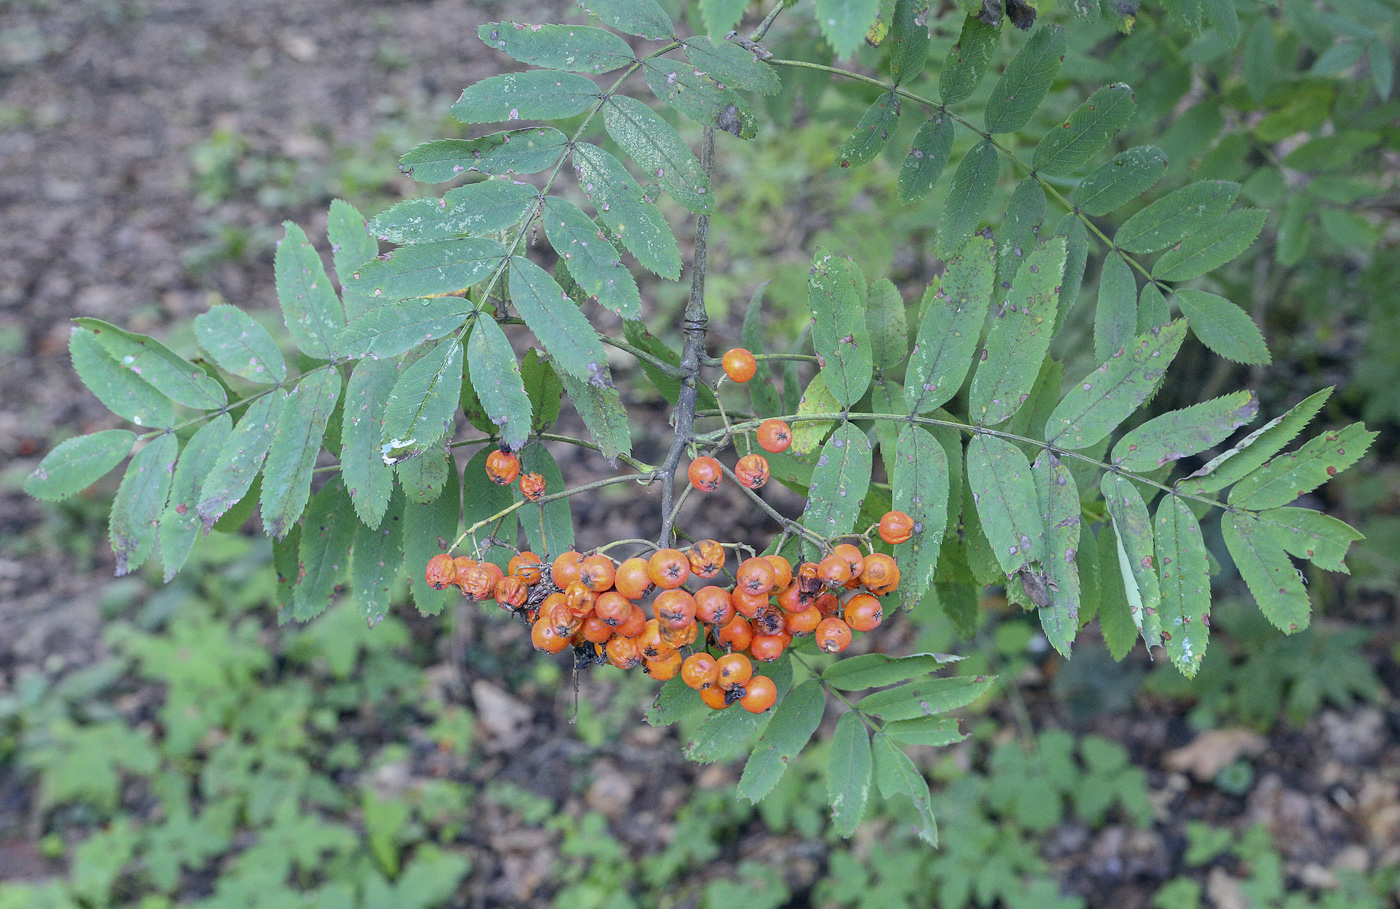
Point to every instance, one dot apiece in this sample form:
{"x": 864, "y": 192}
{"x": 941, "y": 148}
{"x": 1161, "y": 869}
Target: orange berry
{"x": 511, "y": 591}
{"x": 782, "y": 571}
{"x": 739, "y": 364}
{"x": 527, "y": 566}
{"x": 802, "y": 622}
{"x": 752, "y": 471}
{"x": 755, "y": 576}
{"x": 760, "y": 694}
{"x": 792, "y": 599}
{"x": 441, "y": 572}
{"x": 881, "y": 574}
{"x": 768, "y": 620}
{"x": 595, "y": 630}
{"x": 827, "y": 604}
{"x": 479, "y": 582}
{"x": 747, "y": 604}
{"x": 580, "y": 599}
{"x": 532, "y": 486}
{"x": 678, "y": 636}
{"x": 853, "y": 557}
{"x": 833, "y": 635}
{"x": 613, "y": 608}
{"x": 597, "y": 572}
{"x": 674, "y": 608}
{"x": 715, "y": 697}
{"x": 543, "y": 636}
{"x": 650, "y": 644}
{"x": 700, "y": 671}
{"x": 863, "y": 612}
{"x": 734, "y": 670}
{"x": 668, "y": 568}
{"x": 774, "y": 435}
{"x": 567, "y": 568}
{"x": 502, "y": 467}
{"x": 555, "y": 611}
{"x": 632, "y": 579}
{"x": 767, "y": 647}
{"x": 712, "y": 605}
{"x": 665, "y": 668}
{"x": 896, "y": 527}
{"x": 834, "y": 570}
{"x": 736, "y": 634}
{"x": 704, "y": 473}
{"x": 623, "y": 653}
{"x": 706, "y": 558}
{"x": 636, "y": 623}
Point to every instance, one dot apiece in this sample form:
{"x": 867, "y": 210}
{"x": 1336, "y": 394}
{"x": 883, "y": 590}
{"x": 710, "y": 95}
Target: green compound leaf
{"x": 1223, "y": 327}
{"x": 77, "y": 463}
{"x": 323, "y": 554}
{"x": 1058, "y": 498}
{"x": 591, "y": 259}
{"x": 514, "y": 151}
{"x": 543, "y": 386}
{"x": 885, "y": 323}
{"x": 1088, "y": 129}
{"x": 933, "y": 731}
{"x": 241, "y": 458}
{"x": 1004, "y": 492}
{"x": 1185, "y": 432}
{"x": 472, "y": 210}
{"x": 140, "y": 500}
{"x": 239, "y": 345}
{"x": 973, "y": 184}
{"x": 1297, "y": 473}
{"x": 1312, "y": 535}
{"x": 565, "y": 332}
{"x": 731, "y": 65}
{"x": 536, "y": 94}
{"x": 872, "y": 133}
{"x": 427, "y": 269}
{"x": 1076, "y": 237}
{"x": 967, "y": 60}
{"x": 157, "y": 365}
{"x": 876, "y": 670}
{"x": 889, "y": 335}
{"x": 378, "y": 558}
{"x": 1171, "y": 218}
{"x": 1127, "y": 176}
{"x": 305, "y": 293}
{"x": 123, "y": 392}
{"x": 1152, "y": 309}
{"x": 1115, "y": 610}
{"x": 954, "y": 312}
{"x": 656, "y": 146}
{"x": 1185, "y": 571}
{"x": 423, "y": 404}
{"x": 836, "y": 291}
{"x": 1208, "y": 249}
{"x": 428, "y": 529}
{"x": 794, "y": 720}
{"x": 179, "y": 524}
{"x": 839, "y": 483}
{"x": 908, "y": 39}
{"x": 621, "y": 206}
{"x": 1116, "y": 314}
{"x": 843, "y": 23}
{"x": 669, "y": 387}
{"x": 699, "y": 96}
{"x": 1267, "y": 571}
{"x": 573, "y": 48}
{"x": 1019, "y": 338}
{"x": 284, "y": 562}
{"x": 808, "y": 434}
{"x": 398, "y": 327}
{"x": 350, "y": 239}
{"x": 848, "y": 773}
{"x": 675, "y": 701}
{"x": 600, "y": 407}
{"x": 1021, "y": 225}
{"x": 636, "y": 17}
{"x": 1026, "y": 80}
{"x": 368, "y": 480}
{"x": 1257, "y": 447}
{"x": 729, "y": 732}
{"x": 296, "y": 441}
{"x": 927, "y": 157}
{"x": 896, "y": 774}
{"x": 921, "y": 485}
{"x": 1107, "y": 396}
{"x": 549, "y": 527}
{"x": 926, "y": 697}
{"x": 483, "y": 499}
{"x": 1133, "y": 528}
{"x": 496, "y": 378}
{"x": 424, "y": 477}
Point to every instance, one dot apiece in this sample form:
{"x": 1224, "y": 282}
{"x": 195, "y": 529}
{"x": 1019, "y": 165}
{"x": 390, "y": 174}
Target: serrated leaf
{"x": 600, "y": 407}
{"x": 1133, "y": 529}
{"x": 954, "y": 312}
{"x": 656, "y": 146}
{"x": 378, "y": 558}
{"x": 241, "y": 458}
{"x": 1058, "y": 498}
{"x": 123, "y": 392}
{"x": 239, "y": 345}
{"x": 1312, "y": 535}
{"x": 1223, "y": 327}
{"x": 77, "y": 463}
{"x": 140, "y": 500}
{"x": 1181, "y": 433}
{"x": 573, "y": 48}
{"x": 543, "y": 387}
{"x": 1021, "y": 225}
{"x": 1019, "y": 338}
{"x": 933, "y": 731}
{"x": 1185, "y": 570}
{"x": 727, "y": 732}
{"x": 884, "y": 318}
{"x": 921, "y": 487}
{"x": 1127, "y": 176}
{"x": 848, "y": 774}
{"x": 1257, "y": 447}
{"x": 722, "y": 16}
{"x": 159, "y": 366}
{"x": 1115, "y": 314}
{"x": 675, "y": 701}
{"x": 1026, "y": 80}
{"x": 973, "y": 184}
{"x": 840, "y": 480}
{"x": 876, "y": 670}
{"x": 1088, "y": 129}
{"x": 927, "y": 157}
{"x": 1297, "y": 473}
{"x": 537, "y": 94}
{"x": 548, "y": 527}
{"x": 1171, "y": 218}
{"x": 423, "y": 477}
{"x": 1115, "y": 611}
{"x": 871, "y": 133}
{"x": 296, "y": 441}
{"x": 514, "y": 151}
{"x": 1264, "y": 565}
{"x": 808, "y": 434}
{"x": 699, "y": 96}
{"x": 284, "y": 562}
{"x": 475, "y": 209}
{"x": 350, "y": 239}
{"x": 795, "y": 719}
{"x": 908, "y": 39}
{"x": 669, "y": 386}
{"x": 836, "y": 291}
{"x": 1152, "y": 309}
{"x": 180, "y": 524}
{"x": 896, "y": 774}
{"x": 1076, "y": 237}
{"x": 843, "y": 23}
{"x": 1225, "y": 17}
{"x": 1208, "y": 249}
{"x": 967, "y": 60}
{"x": 304, "y": 291}
{"x": 572, "y": 343}
{"x": 324, "y": 552}
{"x": 496, "y": 377}
{"x": 761, "y": 391}
{"x": 368, "y": 480}
{"x": 926, "y": 697}
{"x": 636, "y": 17}
{"x": 398, "y": 327}
{"x": 425, "y": 269}
{"x": 621, "y": 206}
{"x": 591, "y": 259}
{"x": 1107, "y": 396}
{"x": 421, "y": 408}
{"x": 428, "y": 529}
{"x": 482, "y": 499}
{"x": 1000, "y": 478}
{"x": 731, "y": 65}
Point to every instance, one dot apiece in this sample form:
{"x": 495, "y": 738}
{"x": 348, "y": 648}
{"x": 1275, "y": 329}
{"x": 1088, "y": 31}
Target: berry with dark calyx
{"x": 623, "y": 653}
{"x": 668, "y": 568}
{"x": 706, "y": 557}
{"x": 511, "y": 591}
{"x": 896, "y": 527}
{"x": 739, "y": 364}
{"x": 664, "y": 669}
{"x": 543, "y": 636}
{"x": 650, "y": 643}
{"x": 636, "y": 623}
{"x": 479, "y": 583}
{"x": 502, "y": 467}
{"x": 715, "y": 697}
{"x": 759, "y": 695}
{"x": 752, "y": 471}
{"x": 767, "y": 647}
{"x": 527, "y": 566}
{"x": 881, "y": 574}
{"x": 833, "y": 635}
{"x": 834, "y": 570}
{"x": 612, "y": 607}
{"x": 441, "y": 572}
{"x": 596, "y": 631}
{"x": 853, "y": 557}
{"x": 675, "y": 608}
{"x": 462, "y": 565}
{"x": 755, "y": 577}
{"x": 712, "y": 605}
{"x": 802, "y": 622}
{"x": 532, "y": 486}
{"x": 734, "y": 670}
{"x": 597, "y": 572}
{"x": 700, "y": 671}
{"x": 633, "y": 579}
{"x": 767, "y": 620}
{"x": 736, "y": 634}
{"x": 747, "y": 604}
{"x": 774, "y": 436}
{"x": 567, "y": 568}
{"x": 863, "y": 612}
{"x": 704, "y": 473}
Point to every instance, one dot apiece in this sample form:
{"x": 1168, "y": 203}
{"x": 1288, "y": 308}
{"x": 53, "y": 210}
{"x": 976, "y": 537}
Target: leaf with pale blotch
{"x": 592, "y": 260}
{"x": 1020, "y": 337}
{"x": 926, "y": 697}
{"x": 1115, "y": 609}
{"x": 600, "y": 407}
{"x": 896, "y": 774}
{"x": 514, "y": 151}
{"x": 808, "y": 434}
{"x": 557, "y": 322}
{"x": 1115, "y": 314}
{"x": 1223, "y": 327}
{"x": 731, "y": 65}
{"x": 428, "y": 529}
{"x": 1026, "y": 80}
{"x": 241, "y": 458}
{"x": 1171, "y": 218}
{"x": 179, "y": 525}
{"x": 627, "y": 213}
{"x": 426, "y": 269}
{"x": 699, "y": 96}
{"x": 927, "y": 157}
{"x": 836, "y": 291}
{"x": 848, "y": 773}
{"x": 1297, "y": 473}
{"x": 398, "y": 327}
{"x": 726, "y": 733}
{"x": 476, "y": 209}
{"x": 351, "y": 242}
{"x": 159, "y": 366}
{"x": 77, "y": 463}
{"x": 1107, "y": 396}
{"x": 495, "y": 375}
{"x": 296, "y": 441}
{"x": 1312, "y": 535}
{"x": 377, "y": 559}
{"x": 876, "y": 670}
{"x": 140, "y": 500}
{"x": 644, "y": 18}
{"x": 839, "y": 483}
{"x": 973, "y": 184}
{"x": 1152, "y": 309}
{"x": 1257, "y": 447}
{"x": 482, "y": 500}
{"x": 549, "y": 527}
{"x": 1185, "y": 432}
{"x": 573, "y": 48}
{"x": 656, "y": 146}
{"x": 1019, "y": 229}
{"x": 872, "y": 133}
{"x": 921, "y": 486}
{"x": 1058, "y": 498}
{"x": 368, "y": 480}
{"x": 1133, "y": 528}
{"x": 908, "y": 39}
{"x": 1267, "y": 571}
{"x": 1087, "y": 130}
{"x": 423, "y": 403}
{"x": 954, "y": 311}
{"x": 304, "y": 291}
{"x": 1208, "y": 249}
{"x": 424, "y": 477}
{"x": 843, "y": 23}
{"x": 123, "y": 392}
{"x": 238, "y": 344}
{"x": 967, "y": 60}
{"x": 1128, "y": 175}
{"x": 795, "y": 719}
{"x": 324, "y": 552}
{"x": 1004, "y": 493}
{"x": 1185, "y": 571}
{"x": 535, "y": 94}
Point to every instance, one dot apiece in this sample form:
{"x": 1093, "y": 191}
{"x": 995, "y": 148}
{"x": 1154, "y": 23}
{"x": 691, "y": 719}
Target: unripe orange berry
{"x": 774, "y": 435}
{"x": 760, "y": 694}
{"x": 739, "y": 364}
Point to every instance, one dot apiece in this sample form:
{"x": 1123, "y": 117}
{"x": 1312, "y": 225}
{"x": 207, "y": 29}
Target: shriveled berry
{"x": 623, "y": 653}
{"x": 480, "y": 582}
{"x": 441, "y": 572}
{"x": 532, "y": 486}
{"x": 752, "y": 471}
{"x": 511, "y": 591}
{"x": 706, "y": 558}
{"x": 679, "y": 636}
